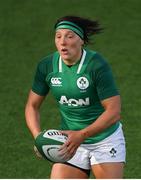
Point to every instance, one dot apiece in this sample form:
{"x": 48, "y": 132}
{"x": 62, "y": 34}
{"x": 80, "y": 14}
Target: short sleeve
{"x": 105, "y": 83}
{"x": 40, "y": 86}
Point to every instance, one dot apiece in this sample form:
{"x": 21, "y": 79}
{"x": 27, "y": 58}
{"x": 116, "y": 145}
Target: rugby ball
{"x": 48, "y": 143}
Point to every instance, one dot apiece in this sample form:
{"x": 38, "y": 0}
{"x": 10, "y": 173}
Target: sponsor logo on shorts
{"x": 113, "y": 152}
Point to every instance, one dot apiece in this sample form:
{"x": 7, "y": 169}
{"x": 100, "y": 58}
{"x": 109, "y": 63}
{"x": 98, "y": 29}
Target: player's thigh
{"x": 112, "y": 170}
{"x": 65, "y": 171}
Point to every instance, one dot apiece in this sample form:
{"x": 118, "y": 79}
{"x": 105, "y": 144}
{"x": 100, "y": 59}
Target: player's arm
{"x": 110, "y": 116}
{"x": 109, "y": 98}
{"x": 32, "y": 114}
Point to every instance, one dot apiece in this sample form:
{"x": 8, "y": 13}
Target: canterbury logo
{"x": 56, "y": 81}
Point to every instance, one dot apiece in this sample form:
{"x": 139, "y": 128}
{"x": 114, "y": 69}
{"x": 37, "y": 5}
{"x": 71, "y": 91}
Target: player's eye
{"x": 70, "y": 37}
{"x": 58, "y": 36}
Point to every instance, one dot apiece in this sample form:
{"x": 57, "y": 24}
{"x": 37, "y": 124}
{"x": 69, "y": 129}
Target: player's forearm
{"x": 104, "y": 121}
{"x": 32, "y": 119}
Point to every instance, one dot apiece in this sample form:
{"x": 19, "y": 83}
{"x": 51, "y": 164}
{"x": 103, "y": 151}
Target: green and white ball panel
{"x": 48, "y": 143}
{"x": 52, "y": 153}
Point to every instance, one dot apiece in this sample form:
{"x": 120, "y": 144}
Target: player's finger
{"x": 65, "y": 145}
{"x": 63, "y": 151}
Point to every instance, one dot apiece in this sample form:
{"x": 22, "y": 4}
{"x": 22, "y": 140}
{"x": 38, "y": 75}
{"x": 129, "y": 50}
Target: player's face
{"x": 69, "y": 44}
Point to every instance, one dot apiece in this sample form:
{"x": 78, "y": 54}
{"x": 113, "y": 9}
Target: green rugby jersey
{"x": 78, "y": 89}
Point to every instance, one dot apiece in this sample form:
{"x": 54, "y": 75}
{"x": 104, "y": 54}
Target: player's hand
{"x": 75, "y": 138}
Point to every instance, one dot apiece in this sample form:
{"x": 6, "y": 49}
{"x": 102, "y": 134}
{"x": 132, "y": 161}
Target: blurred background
{"x": 26, "y": 36}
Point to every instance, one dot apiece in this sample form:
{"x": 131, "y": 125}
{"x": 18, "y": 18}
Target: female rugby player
{"x": 82, "y": 83}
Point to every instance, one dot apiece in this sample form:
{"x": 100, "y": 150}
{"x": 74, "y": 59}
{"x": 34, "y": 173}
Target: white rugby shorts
{"x": 111, "y": 149}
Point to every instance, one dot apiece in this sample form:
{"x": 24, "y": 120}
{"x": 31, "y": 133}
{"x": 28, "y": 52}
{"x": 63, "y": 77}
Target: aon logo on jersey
{"x": 74, "y": 102}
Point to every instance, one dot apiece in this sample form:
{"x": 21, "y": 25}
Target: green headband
{"x": 72, "y": 26}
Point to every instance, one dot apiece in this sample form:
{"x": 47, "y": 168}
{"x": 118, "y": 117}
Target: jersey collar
{"x": 80, "y": 64}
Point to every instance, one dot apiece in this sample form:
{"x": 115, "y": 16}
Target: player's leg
{"x": 108, "y": 170}
{"x": 108, "y": 157}
{"x": 66, "y": 171}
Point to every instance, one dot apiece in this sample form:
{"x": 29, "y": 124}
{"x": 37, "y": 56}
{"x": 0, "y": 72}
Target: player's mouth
{"x": 64, "y": 51}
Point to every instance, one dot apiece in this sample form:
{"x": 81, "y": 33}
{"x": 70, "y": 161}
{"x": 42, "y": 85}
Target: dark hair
{"x": 90, "y": 27}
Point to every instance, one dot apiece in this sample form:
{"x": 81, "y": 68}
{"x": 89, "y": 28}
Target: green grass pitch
{"x": 27, "y": 35}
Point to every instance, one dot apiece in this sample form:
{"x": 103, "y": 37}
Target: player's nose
{"x": 63, "y": 41}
